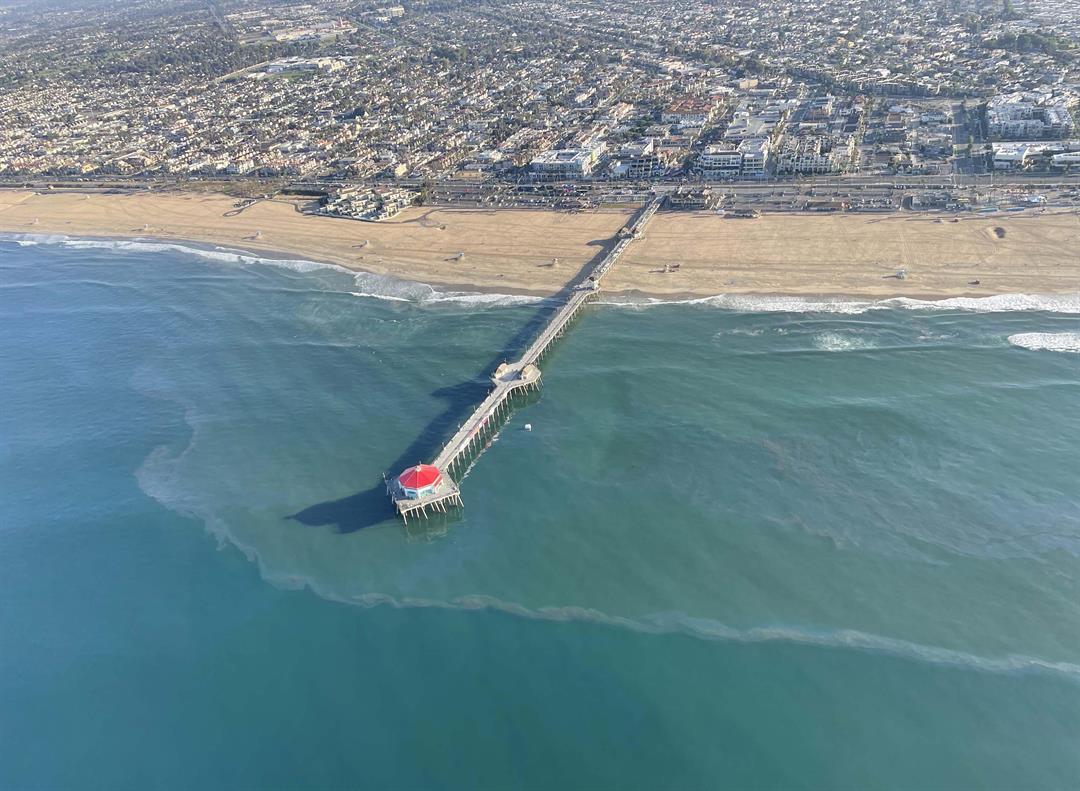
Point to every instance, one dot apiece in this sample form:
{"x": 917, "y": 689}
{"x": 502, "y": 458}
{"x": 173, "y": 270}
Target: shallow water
{"x": 756, "y": 542}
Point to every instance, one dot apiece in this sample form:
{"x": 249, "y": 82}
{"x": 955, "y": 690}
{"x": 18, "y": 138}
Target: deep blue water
{"x": 784, "y": 549}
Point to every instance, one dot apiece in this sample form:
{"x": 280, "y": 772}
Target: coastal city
{"x": 381, "y": 105}
{"x": 540, "y": 395}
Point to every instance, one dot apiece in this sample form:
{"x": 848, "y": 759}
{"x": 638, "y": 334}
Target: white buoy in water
{"x": 528, "y": 426}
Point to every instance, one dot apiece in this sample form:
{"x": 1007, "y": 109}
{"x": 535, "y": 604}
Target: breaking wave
{"x": 840, "y": 342}
{"x": 368, "y": 285}
{"x": 387, "y": 287}
{"x": 1048, "y": 341}
{"x": 748, "y": 303}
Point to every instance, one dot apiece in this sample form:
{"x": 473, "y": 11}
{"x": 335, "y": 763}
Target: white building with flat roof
{"x": 1030, "y": 116}
{"x": 638, "y": 160}
{"x": 755, "y": 156}
{"x": 565, "y": 163}
{"x": 720, "y": 161}
{"x": 1018, "y": 155}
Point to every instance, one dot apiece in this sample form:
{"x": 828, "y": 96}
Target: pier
{"x": 508, "y": 380}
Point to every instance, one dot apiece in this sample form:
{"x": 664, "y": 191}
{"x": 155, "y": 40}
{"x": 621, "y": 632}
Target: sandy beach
{"x": 538, "y": 252}
{"x": 511, "y": 251}
{"x": 855, "y": 254}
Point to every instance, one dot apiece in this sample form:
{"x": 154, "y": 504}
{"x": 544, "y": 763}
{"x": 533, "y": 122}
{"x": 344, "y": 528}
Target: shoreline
{"x": 271, "y": 256}
{"x": 814, "y": 258}
{"x": 785, "y": 301}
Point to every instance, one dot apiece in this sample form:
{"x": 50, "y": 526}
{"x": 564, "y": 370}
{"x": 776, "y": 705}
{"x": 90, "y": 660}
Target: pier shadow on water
{"x": 372, "y": 506}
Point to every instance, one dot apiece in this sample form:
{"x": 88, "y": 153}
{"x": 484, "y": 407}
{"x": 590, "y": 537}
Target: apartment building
{"x": 720, "y": 161}
{"x": 755, "y": 157}
{"x": 641, "y": 159}
{"x": 1029, "y": 116}
{"x": 690, "y": 111}
{"x": 816, "y": 154}
{"x": 565, "y": 163}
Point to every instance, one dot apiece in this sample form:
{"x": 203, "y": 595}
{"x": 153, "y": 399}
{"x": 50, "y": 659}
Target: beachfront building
{"x": 1034, "y": 154}
{"x": 691, "y": 198}
{"x": 638, "y": 160}
{"x": 368, "y": 204}
{"x": 755, "y": 157}
{"x": 720, "y": 161}
{"x": 814, "y": 153}
{"x": 420, "y": 481}
{"x": 561, "y": 164}
{"x": 1066, "y": 160}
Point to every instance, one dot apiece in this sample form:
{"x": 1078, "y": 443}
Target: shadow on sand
{"x": 372, "y": 506}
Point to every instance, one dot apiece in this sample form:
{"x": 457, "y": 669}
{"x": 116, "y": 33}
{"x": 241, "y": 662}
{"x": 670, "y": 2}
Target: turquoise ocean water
{"x": 748, "y": 543}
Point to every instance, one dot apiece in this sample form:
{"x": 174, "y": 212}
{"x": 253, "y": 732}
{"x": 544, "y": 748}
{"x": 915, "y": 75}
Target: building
{"x": 1017, "y": 156}
{"x": 720, "y": 162}
{"x": 689, "y": 111}
{"x": 639, "y": 160}
{"x": 420, "y": 481}
{"x": 1069, "y": 159}
{"x": 755, "y": 157}
{"x": 690, "y": 199}
{"x": 565, "y": 163}
{"x": 816, "y": 154}
{"x": 1028, "y": 116}
{"x": 753, "y": 119}
{"x": 368, "y": 204}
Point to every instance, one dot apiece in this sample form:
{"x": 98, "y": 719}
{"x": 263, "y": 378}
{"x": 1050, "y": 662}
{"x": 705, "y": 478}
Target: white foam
{"x": 386, "y": 297}
{"x": 369, "y": 285}
{"x": 395, "y": 289}
{"x": 840, "y": 342}
{"x": 1048, "y": 341}
{"x": 224, "y": 255}
{"x": 741, "y": 331}
{"x": 32, "y": 239}
{"x": 745, "y": 303}
{"x": 999, "y": 303}
{"x": 476, "y": 298}
{"x": 392, "y": 289}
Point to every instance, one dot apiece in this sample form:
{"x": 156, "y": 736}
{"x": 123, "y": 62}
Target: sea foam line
{"x": 157, "y": 477}
{"x": 669, "y": 623}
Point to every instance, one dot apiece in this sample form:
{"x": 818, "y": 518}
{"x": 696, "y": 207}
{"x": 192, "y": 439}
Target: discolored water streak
{"x": 834, "y": 547}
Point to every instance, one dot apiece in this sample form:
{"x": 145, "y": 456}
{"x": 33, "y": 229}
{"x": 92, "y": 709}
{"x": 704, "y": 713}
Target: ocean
{"x": 748, "y": 542}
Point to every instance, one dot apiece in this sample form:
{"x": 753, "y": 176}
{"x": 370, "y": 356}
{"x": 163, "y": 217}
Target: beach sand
{"x": 509, "y": 251}
{"x": 512, "y": 250}
{"x": 854, "y": 254}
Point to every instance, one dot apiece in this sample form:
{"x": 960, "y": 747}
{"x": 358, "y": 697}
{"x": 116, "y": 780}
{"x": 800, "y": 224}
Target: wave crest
{"x": 840, "y": 342}
{"x": 1048, "y": 341}
{"x": 750, "y": 303}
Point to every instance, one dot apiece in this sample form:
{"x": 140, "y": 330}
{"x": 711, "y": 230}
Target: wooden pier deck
{"x": 511, "y": 378}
